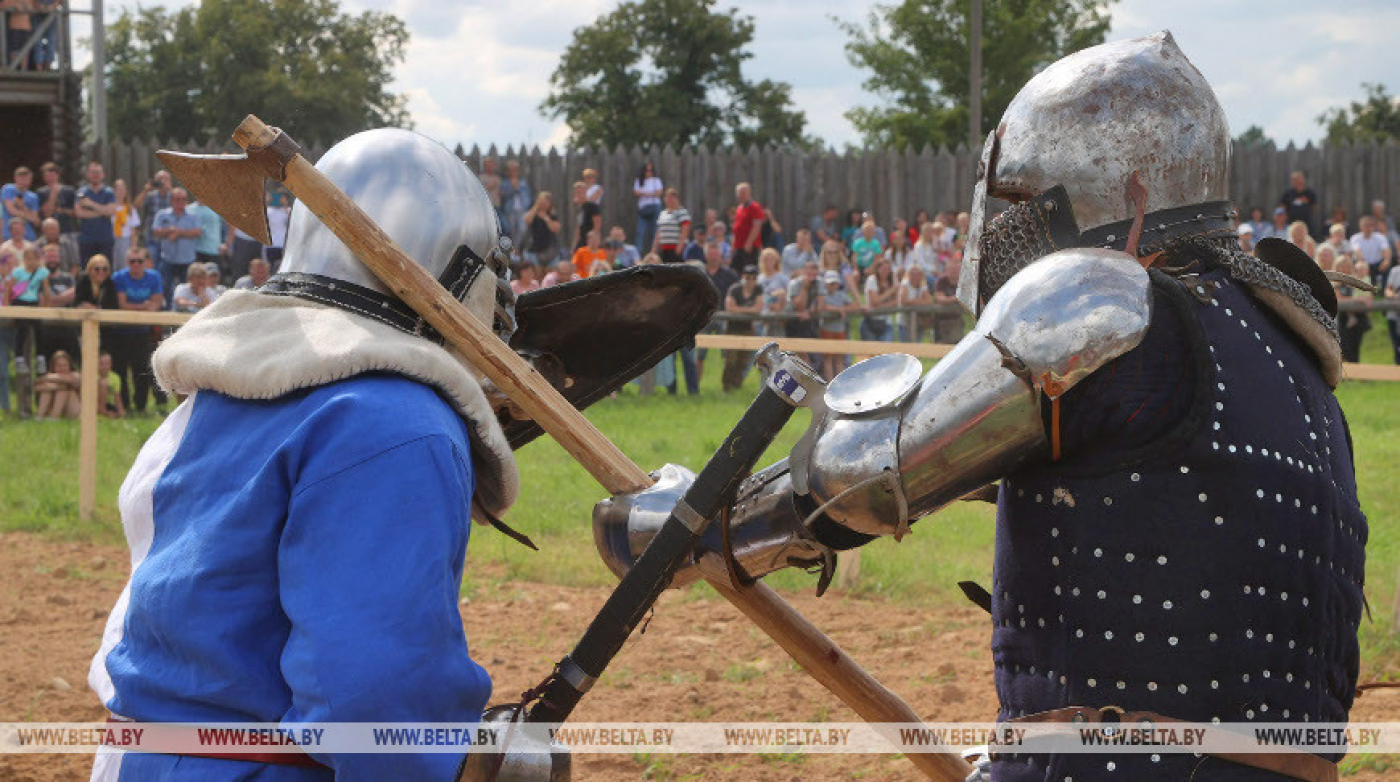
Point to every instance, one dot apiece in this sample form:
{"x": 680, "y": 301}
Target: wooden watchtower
{"x": 40, "y": 92}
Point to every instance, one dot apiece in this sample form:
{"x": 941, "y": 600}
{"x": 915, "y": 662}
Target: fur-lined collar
{"x": 251, "y": 346}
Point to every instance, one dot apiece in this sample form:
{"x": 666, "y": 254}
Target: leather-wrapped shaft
{"x": 637, "y": 592}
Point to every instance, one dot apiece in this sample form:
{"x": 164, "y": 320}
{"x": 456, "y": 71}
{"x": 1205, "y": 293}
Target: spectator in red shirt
{"x": 748, "y": 228}
{"x": 920, "y": 218}
{"x": 900, "y": 226}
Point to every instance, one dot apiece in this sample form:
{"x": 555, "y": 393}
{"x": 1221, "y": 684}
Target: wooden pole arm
{"x": 829, "y": 664}
{"x": 411, "y": 283}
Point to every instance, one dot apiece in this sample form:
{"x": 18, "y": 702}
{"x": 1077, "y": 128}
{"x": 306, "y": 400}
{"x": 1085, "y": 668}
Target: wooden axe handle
{"x": 412, "y": 284}
{"x": 567, "y": 425}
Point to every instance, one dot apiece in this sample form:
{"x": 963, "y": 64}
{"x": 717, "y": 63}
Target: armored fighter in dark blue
{"x": 1178, "y": 530}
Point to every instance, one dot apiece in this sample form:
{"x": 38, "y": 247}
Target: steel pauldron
{"x": 977, "y": 414}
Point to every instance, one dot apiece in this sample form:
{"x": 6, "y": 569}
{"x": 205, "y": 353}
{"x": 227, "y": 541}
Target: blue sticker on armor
{"x": 786, "y": 385}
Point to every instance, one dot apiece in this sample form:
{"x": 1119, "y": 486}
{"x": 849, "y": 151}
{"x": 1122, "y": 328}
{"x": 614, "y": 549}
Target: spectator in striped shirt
{"x": 672, "y": 226}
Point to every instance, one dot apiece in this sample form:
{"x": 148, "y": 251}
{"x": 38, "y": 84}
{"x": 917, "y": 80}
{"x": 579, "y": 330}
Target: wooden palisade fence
{"x": 797, "y": 184}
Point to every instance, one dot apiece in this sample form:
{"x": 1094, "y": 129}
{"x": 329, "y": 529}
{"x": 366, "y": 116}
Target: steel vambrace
{"x": 890, "y": 444}
{"x": 892, "y": 450}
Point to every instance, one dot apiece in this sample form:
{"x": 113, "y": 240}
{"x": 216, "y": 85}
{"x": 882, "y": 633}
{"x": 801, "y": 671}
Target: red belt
{"x": 299, "y": 758}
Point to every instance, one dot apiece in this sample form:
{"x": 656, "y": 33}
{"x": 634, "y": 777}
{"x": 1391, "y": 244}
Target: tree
{"x": 300, "y": 64}
{"x": 1253, "y": 136}
{"x": 1375, "y": 119}
{"x": 918, "y": 56}
{"x": 668, "y": 72}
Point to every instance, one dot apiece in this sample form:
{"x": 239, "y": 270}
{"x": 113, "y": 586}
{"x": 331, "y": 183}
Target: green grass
{"x": 556, "y": 506}
{"x": 39, "y": 484}
{"x": 1375, "y": 346}
{"x": 1357, "y": 764}
{"x": 38, "y": 493}
{"x": 741, "y": 672}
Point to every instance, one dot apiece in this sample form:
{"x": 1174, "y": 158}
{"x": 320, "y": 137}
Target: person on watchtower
{"x": 298, "y": 525}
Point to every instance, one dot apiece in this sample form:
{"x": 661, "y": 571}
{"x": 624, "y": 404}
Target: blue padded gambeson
{"x": 1199, "y": 553}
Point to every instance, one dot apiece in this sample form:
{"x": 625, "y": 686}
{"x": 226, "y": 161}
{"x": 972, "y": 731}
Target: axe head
{"x": 231, "y": 185}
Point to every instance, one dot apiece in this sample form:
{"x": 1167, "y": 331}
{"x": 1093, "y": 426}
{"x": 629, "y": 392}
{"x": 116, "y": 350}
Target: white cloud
{"x": 1280, "y": 64}
{"x": 826, "y": 108}
{"x": 430, "y": 120}
{"x": 557, "y": 137}
{"x": 1362, "y": 28}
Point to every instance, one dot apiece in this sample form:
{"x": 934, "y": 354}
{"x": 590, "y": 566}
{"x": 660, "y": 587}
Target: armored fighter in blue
{"x": 1178, "y": 531}
{"x": 298, "y": 525}
{"x": 278, "y": 575}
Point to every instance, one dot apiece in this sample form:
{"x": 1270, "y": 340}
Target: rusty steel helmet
{"x": 1087, "y": 123}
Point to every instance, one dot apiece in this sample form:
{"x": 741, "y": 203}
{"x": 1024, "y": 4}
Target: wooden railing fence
{"x": 91, "y": 320}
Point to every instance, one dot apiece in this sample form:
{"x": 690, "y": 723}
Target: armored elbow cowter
{"x": 893, "y": 448}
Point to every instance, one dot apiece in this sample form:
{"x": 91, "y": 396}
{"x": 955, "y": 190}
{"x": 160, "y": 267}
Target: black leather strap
{"x": 639, "y": 589}
{"x": 977, "y": 593}
{"x": 1166, "y": 227}
{"x": 1039, "y": 226}
{"x": 462, "y": 270}
{"x": 347, "y": 296}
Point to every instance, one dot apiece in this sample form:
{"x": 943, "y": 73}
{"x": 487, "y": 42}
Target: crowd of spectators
{"x": 1363, "y": 250}
{"x": 844, "y": 273}
{"x": 101, "y": 246}
{"x": 826, "y": 279}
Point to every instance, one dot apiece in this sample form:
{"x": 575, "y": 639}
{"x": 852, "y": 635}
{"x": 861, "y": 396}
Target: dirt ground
{"x": 699, "y": 660}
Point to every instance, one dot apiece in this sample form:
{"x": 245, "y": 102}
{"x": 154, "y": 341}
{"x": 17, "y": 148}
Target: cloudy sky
{"x": 477, "y": 70}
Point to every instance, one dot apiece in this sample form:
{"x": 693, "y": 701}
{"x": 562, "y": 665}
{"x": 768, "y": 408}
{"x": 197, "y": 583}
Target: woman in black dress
{"x": 542, "y": 232}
